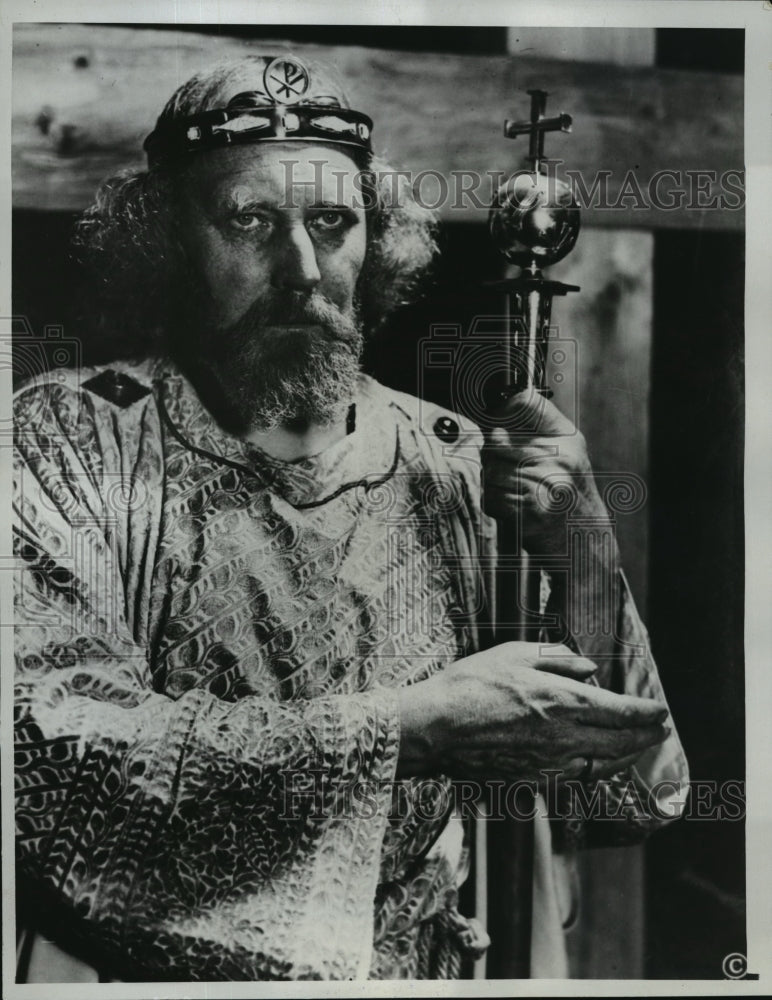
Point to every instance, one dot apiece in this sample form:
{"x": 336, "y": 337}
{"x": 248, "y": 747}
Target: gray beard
{"x": 292, "y": 359}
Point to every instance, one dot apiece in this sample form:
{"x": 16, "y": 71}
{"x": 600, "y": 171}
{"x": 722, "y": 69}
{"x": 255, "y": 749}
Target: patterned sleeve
{"x": 598, "y": 618}
{"x": 180, "y": 839}
{"x": 588, "y": 606}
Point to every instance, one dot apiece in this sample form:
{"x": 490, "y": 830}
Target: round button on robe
{"x": 446, "y": 429}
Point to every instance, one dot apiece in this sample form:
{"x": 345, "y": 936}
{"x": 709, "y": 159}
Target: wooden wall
{"x": 84, "y": 97}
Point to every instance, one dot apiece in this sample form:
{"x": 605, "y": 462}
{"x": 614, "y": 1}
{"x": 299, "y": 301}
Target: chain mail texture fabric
{"x": 209, "y": 643}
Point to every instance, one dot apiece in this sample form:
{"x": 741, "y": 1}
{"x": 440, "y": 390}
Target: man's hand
{"x": 536, "y": 470}
{"x": 513, "y": 712}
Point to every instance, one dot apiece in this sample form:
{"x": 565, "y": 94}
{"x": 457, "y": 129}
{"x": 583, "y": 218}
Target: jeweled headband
{"x": 289, "y": 106}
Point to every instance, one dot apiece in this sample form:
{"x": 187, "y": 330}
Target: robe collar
{"x": 367, "y": 456}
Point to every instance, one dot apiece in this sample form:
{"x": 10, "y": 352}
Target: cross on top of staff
{"x": 537, "y": 126}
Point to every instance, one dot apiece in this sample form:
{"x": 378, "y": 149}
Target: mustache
{"x": 282, "y": 309}
{"x": 300, "y": 308}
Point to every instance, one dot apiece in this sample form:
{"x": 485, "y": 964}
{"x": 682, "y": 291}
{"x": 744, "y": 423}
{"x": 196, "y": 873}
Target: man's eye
{"x": 248, "y": 220}
{"x": 327, "y": 221}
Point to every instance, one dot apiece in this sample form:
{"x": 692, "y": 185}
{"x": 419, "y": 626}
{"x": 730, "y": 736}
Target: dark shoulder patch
{"x": 117, "y": 388}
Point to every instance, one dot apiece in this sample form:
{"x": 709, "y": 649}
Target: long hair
{"x": 141, "y": 276}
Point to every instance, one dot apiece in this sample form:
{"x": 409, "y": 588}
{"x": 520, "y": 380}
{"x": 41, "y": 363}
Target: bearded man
{"x": 249, "y": 624}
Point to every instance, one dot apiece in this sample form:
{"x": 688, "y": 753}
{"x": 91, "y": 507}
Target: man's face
{"x": 257, "y": 224}
{"x": 279, "y": 247}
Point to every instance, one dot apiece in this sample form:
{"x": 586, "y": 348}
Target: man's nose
{"x": 296, "y": 267}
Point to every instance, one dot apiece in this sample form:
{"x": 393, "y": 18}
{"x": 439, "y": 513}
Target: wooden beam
{"x": 84, "y": 97}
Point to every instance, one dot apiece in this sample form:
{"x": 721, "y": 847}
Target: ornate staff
{"x": 534, "y": 222}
